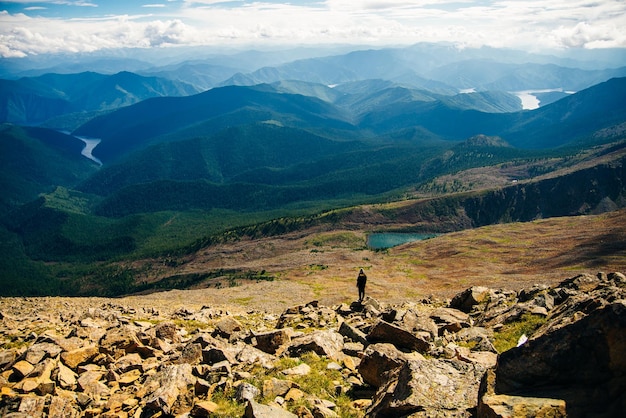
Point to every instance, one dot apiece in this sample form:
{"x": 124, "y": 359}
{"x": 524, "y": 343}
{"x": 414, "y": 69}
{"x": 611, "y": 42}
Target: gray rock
{"x": 353, "y": 349}
{"x": 452, "y": 320}
{"x": 256, "y": 410}
{"x": 39, "y": 351}
{"x": 132, "y": 361}
{"x": 582, "y": 282}
{"x": 250, "y": 355}
{"x": 271, "y": 341}
{"x": 377, "y": 360}
{"x": 544, "y": 300}
{"x": 65, "y": 377}
{"x": 90, "y": 383}
{"x": 504, "y": 406}
{"x": 415, "y": 323}
{"x": 119, "y": 341}
{"x": 167, "y": 331}
{"x": 191, "y": 354}
{"x": 480, "y": 338}
{"x": 469, "y": 298}
{"x": 617, "y": 278}
{"x": 247, "y": 392}
{"x": 227, "y": 327}
{"x": 565, "y": 362}
{"x": 429, "y": 387}
{"x": 321, "y": 411}
{"x": 299, "y": 370}
{"x": 74, "y": 358}
{"x": 276, "y": 387}
{"x": 212, "y": 355}
{"x": 173, "y": 392}
{"x": 7, "y": 358}
{"x": 61, "y": 406}
{"x": 384, "y": 332}
{"x": 352, "y": 333}
{"x": 492, "y": 405}
{"x": 32, "y": 407}
{"x": 324, "y": 343}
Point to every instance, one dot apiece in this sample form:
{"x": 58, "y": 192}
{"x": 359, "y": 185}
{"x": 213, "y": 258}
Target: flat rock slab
{"x": 257, "y": 410}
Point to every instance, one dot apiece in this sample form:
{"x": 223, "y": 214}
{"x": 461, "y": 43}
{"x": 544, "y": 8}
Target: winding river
{"x": 90, "y": 144}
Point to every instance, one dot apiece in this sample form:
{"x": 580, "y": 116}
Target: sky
{"x": 29, "y": 27}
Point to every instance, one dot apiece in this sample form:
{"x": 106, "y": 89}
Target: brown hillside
{"x": 318, "y": 265}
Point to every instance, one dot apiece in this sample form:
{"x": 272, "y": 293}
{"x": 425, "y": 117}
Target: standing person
{"x": 360, "y": 284}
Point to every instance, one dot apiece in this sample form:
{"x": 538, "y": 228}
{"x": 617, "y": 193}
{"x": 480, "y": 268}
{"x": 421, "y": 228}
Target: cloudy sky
{"x": 29, "y": 27}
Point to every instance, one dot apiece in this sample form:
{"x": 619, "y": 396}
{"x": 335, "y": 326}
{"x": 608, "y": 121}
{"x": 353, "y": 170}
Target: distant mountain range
{"x": 32, "y": 101}
{"x": 411, "y": 68}
{"x": 423, "y": 69}
{"x": 361, "y": 115}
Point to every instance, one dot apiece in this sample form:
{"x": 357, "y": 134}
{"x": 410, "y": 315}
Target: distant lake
{"x": 382, "y": 240}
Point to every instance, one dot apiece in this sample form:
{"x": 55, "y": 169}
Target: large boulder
{"x": 257, "y": 410}
{"x": 428, "y": 388}
{"x": 566, "y": 362}
{"x": 79, "y": 356}
{"x": 385, "y": 332}
{"x": 324, "y": 343}
{"x": 451, "y": 320}
{"x": 271, "y": 341}
{"x": 419, "y": 324}
{"x": 469, "y": 298}
{"x": 492, "y": 405}
{"x": 352, "y": 333}
{"x": 227, "y": 327}
{"x": 171, "y": 391}
{"x": 379, "y": 359}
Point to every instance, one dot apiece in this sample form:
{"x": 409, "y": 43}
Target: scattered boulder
{"x": 256, "y": 410}
{"x": 299, "y": 370}
{"x": 276, "y": 387}
{"x": 491, "y": 405}
{"x": 168, "y": 332}
{"x": 327, "y": 343}
{"x": 228, "y": 328}
{"x": 271, "y": 341}
{"x": 353, "y": 334}
{"x": 247, "y": 392}
{"x": 451, "y": 320}
{"x": 173, "y": 390}
{"x": 428, "y": 387}
{"x": 74, "y": 358}
{"x": 379, "y": 359}
{"x": 111, "y": 361}
{"x": 564, "y": 363}
{"x": 383, "y": 331}
{"x": 466, "y": 300}
{"x": 420, "y": 325}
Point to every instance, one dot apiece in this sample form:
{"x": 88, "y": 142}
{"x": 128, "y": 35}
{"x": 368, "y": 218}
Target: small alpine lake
{"x": 383, "y": 240}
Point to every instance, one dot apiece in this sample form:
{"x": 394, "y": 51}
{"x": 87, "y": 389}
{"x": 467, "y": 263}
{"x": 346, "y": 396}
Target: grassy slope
{"x": 323, "y": 265}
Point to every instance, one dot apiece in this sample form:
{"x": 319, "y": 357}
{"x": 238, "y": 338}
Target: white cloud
{"x": 528, "y": 24}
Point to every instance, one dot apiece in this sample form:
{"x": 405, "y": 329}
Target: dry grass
{"x": 311, "y": 267}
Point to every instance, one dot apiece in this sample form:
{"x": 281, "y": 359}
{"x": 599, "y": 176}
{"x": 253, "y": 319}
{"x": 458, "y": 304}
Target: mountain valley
{"x": 200, "y": 157}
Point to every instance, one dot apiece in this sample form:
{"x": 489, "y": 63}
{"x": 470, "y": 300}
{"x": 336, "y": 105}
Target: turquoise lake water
{"x": 382, "y": 240}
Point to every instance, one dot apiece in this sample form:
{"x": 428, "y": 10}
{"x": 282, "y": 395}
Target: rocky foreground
{"x": 562, "y": 353}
